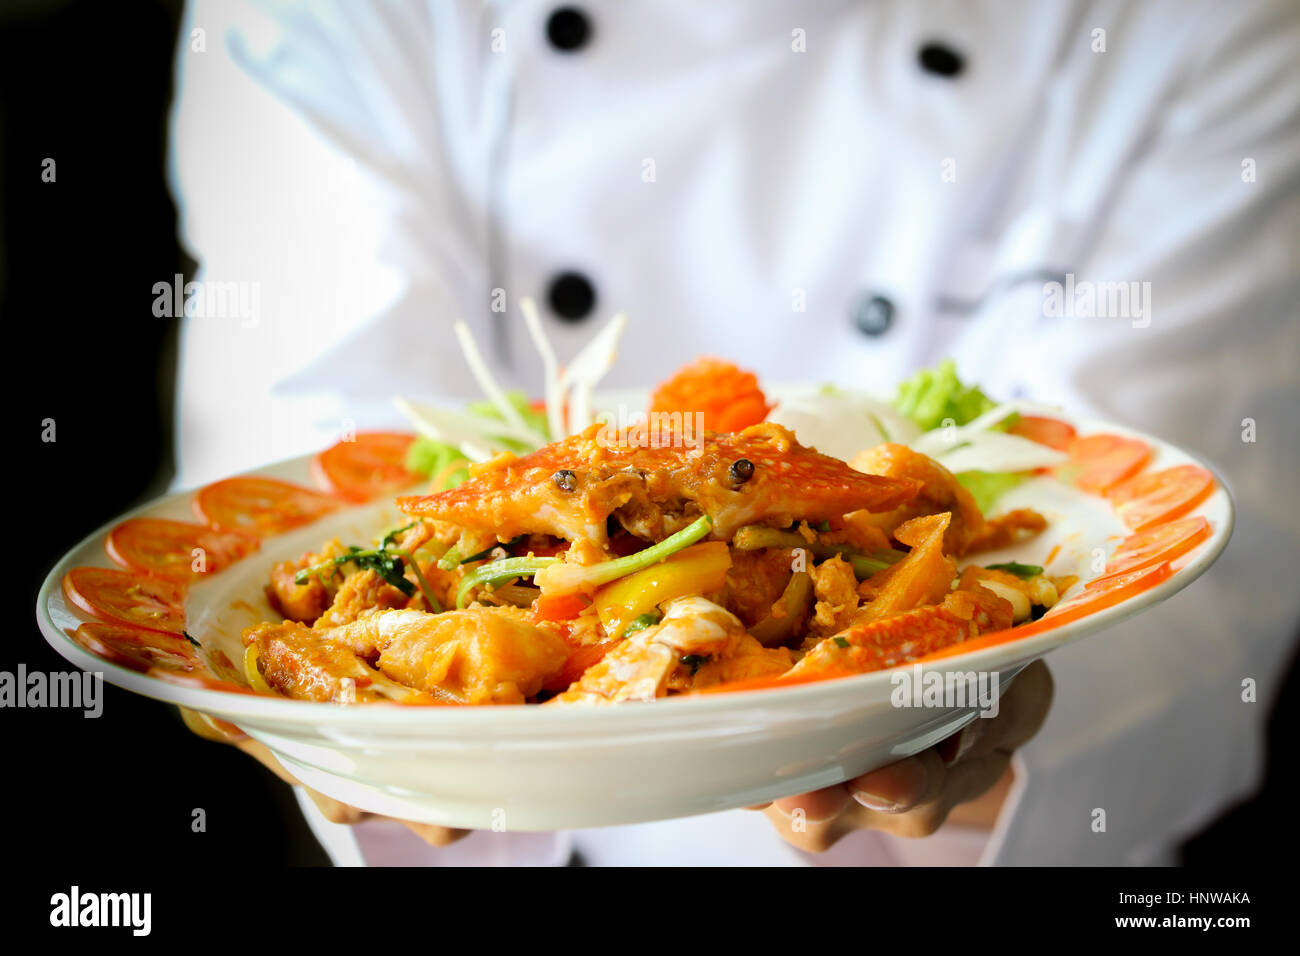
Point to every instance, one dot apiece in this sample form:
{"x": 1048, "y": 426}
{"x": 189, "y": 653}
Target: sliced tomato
{"x": 372, "y": 464}
{"x": 559, "y": 607}
{"x": 127, "y": 598}
{"x": 1105, "y": 592}
{"x": 167, "y": 548}
{"x": 1165, "y": 542}
{"x": 135, "y": 648}
{"x": 1159, "y": 496}
{"x": 260, "y": 506}
{"x": 1051, "y": 432}
{"x": 1097, "y": 462}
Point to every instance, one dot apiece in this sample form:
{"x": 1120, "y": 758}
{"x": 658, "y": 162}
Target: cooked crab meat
{"x": 308, "y": 665}
{"x": 639, "y": 668}
{"x": 747, "y": 659}
{"x": 939, "y": 491}
{"x": 636, "y": 670}
{"x": 478, "y": 655}
{"x": 905, "y": 637}
{"x": 754, "y": 582}
{"x": 1021, "y": 593}
{"x": 570, "y": 489}
{"x": 360, "y": 592}
{"x": 836, "y": 588}
{"x": 306, "y": 601}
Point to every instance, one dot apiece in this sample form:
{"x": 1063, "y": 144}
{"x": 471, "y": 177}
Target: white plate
{"x": 541, "y": 768}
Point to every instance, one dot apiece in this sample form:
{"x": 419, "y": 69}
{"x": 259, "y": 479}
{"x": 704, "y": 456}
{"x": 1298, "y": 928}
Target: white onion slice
{"x": 490, "y": 387}
{"x": 550, "y": 368}
{"x": 588, "y": 367}
{"x": 997, "y": 451}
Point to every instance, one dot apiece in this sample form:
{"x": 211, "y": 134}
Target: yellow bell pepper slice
{"x": 699, "y": 569}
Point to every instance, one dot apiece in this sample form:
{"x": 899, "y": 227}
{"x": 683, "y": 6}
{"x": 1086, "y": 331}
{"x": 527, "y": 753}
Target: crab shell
{"x": 654, "y": 488}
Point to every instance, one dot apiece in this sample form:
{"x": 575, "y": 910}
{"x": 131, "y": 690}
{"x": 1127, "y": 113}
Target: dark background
{"x": 88, "y": 85}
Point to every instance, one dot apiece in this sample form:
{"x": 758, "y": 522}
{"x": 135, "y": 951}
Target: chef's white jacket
{"x": 842, "y": 190}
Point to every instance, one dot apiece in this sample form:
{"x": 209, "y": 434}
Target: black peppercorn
{"x": 565, "y": 480}
{"x": 741, "y": 470}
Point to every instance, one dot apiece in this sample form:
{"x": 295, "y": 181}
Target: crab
{"x": 573, "y": 488}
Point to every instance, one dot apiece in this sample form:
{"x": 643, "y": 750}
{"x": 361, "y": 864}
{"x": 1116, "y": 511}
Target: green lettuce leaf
{"x": 988, "y": 486}
{"x": 933, "y": 395}
{"x": 428, "y": 457}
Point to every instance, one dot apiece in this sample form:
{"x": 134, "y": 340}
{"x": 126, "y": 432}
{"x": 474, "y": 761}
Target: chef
{"x": 1088, "y": 203}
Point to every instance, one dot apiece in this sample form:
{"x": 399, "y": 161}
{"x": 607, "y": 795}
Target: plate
{"x": 544, "y": 768}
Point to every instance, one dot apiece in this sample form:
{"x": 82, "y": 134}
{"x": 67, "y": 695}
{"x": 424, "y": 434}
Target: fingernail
{"x": 897, "y": 788}
{"x": 877, "y": 803}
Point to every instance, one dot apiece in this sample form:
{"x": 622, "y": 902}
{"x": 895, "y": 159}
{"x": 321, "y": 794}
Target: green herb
{"x": 865, "y": 565}
{"x": 568, "y": 578}
{"x": 391, "y": 537}
{"x": 754, "y": 537}
{"x": 841, "y": 642}
{"x": 451, "y": 560}
{"x": 1024, "y": 571}
{"x": 496, "y": 572}
{"x": 694, "y": 662}
{"x": 642, "y": 622}
{"x": 823, "y": 526}
{"x": 389, "y": 565}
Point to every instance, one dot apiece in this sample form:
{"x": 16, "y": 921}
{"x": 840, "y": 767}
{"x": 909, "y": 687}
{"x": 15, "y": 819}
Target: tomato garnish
{"x": 1150, "y": 499}
{"x": 560, "y": 607}
{"x": 1104, "y": 592}
{"x": 260, "y": 506}
{"x": 167, "y": 548}
{"x": 371, "y": 464}
{"x": 136, "y": 648}
{"x": 127, "y": 598}
{"x": 1051, "y": 432}
{"x": 1097, "y": 462}
{"x": 1165, "y": 542}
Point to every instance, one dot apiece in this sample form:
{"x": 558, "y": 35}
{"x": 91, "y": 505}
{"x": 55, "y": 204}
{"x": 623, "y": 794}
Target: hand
{"x": 210, "y": 728}
{"x": 964, "y": 778}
